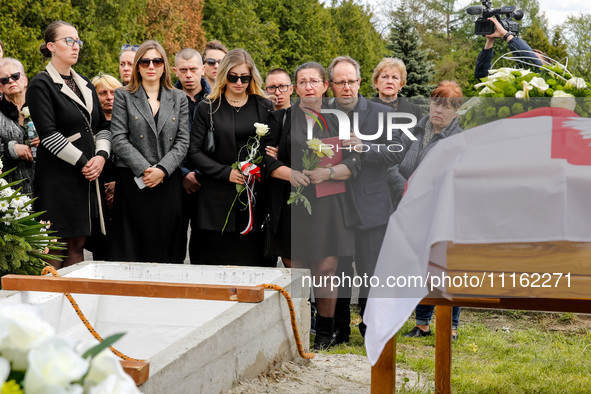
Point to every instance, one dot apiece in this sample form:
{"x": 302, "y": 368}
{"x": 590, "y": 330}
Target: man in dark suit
{"x": 370, "y": 186}
{"x": 188, "y": 67}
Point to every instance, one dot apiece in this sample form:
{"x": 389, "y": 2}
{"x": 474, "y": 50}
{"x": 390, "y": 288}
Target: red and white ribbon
{"x": 251, "y": 172}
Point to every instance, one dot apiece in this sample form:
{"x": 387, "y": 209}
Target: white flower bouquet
{"x": 25, "y": 243}
{"x": 511, "y": 91}
{"x": 33, "y": 360}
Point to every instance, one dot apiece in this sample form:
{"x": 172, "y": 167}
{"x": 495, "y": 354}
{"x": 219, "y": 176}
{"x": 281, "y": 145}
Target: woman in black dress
{"x": 235, "y": 104}
{"x": 303, "y": 240}
{"x": 74, "y": 144}
{"x": 150, "y": 134}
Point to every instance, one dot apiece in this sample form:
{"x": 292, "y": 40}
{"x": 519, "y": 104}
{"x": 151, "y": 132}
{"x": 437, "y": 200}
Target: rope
{"x": 292, "y": 315}
{"x": 50, "y": 269}
{"x": 294, "y": 326}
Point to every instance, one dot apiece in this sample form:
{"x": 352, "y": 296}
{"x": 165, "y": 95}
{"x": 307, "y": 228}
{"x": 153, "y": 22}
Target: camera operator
{"x": 519, "y": 48}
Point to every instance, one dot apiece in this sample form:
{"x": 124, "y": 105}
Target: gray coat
{"x": 138, "y": 142}
{"x": 398, "y": 174}
{"x": 11, "y": 133}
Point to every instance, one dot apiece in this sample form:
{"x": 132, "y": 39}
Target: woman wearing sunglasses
{"x": 150, "y": 136}
{"x": 16, "y": 145}
{"x": 235, "y": 104}
{"x": 75, "y": 143}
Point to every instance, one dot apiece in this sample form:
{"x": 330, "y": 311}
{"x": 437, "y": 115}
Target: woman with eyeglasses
{"x": 75, "y": 143}
{"x": 234, "y": 105}
{"x": 317, "y": 240}
{"x": 15, "y": 124}
{"x": 150, "y": 136}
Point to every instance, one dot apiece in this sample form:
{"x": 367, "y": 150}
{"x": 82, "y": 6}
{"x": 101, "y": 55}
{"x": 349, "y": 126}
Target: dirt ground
{"x": 350, "y": 373}
{"x": 334, "y": 373}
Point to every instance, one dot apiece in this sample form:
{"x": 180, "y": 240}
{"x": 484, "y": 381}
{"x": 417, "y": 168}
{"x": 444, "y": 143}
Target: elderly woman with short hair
{"x": 389, "y": 77}
{"x": 13, "y": 125}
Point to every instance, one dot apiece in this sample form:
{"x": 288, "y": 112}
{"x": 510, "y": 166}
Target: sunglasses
{"x": 243, "y": 78}
{"x": 127, "y": 47}
{"x": 145, "y": 63}
{"x": 14, "y": 77}
{"x": 212, "y": 62}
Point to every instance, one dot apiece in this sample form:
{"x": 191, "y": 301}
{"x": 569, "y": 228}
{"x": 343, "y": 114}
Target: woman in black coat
{"x": 389, "y": 77}
{"x": 75, "y": 142}
{"x": 235, "y": 104}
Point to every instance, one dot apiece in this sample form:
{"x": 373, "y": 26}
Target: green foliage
{"x": 577, "y": 31}
{"x": 287, "y": 33}
{"x": 404, "y": 44}
{"x": 22, "y": 238}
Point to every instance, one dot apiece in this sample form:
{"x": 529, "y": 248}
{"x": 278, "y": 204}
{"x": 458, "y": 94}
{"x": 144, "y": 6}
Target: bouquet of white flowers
{"x": 511, "y": 91}
{"x": 33, "y": 360}
{"x": 25, "y": 243}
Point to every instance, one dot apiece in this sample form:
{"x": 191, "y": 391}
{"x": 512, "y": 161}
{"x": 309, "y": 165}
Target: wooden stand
{"x": 564, "y": 257}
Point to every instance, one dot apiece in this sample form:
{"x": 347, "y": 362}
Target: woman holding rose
{"x": 316, "y": 240}
{"x": 230, "y": 112}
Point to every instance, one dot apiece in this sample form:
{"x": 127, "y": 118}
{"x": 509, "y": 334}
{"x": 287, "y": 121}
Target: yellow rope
{"x": 294, "y": 326}
{"x": 50, "y": 269}
{"x": 292, "y": 315}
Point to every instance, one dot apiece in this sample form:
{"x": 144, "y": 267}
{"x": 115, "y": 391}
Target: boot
{"x": 342, "y": 321}
{"x": 324, "y": 328}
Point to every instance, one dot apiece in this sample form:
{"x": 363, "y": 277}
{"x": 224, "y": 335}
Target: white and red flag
{"x": 522, "y": 179}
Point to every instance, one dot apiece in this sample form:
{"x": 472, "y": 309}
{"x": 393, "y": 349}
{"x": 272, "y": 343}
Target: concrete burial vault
{"x": 192, "y": 345}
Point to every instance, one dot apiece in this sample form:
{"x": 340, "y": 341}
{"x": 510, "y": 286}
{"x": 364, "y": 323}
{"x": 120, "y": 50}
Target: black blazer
{"x": 280, "y": 123}
{"x": 217, "y": 192}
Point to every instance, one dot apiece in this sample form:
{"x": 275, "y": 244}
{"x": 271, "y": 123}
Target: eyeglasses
{"x": 341, "y": 84}
{"x": 314, "y": 83}
{"x": 145, "y": 62}
{"x": 14, "y": 77}
{"x": 71, "y": 41}
{"x": 212, "y": 62}
{"x": 273, "y": 88}
{"x": 127, "y": 47}
{"x": 243, "y": 78}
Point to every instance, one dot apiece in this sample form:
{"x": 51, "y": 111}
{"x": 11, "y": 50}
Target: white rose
{"x": 25, "y": 111}
{"x": 53, "y": 366}
{"x": 261, "y": 129}
{"x": 578, "y": 83}
{"x": 539, "y": 83}
{"x": 20, "y": 331}
{"x": 562, "y": 99}
{"x": 106, "y": 376}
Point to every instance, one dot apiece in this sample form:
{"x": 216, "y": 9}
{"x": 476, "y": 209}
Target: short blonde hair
{"x": 390, "y": 62}
{"x": 105, "y": 80}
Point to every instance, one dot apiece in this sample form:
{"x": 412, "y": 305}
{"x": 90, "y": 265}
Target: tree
{"x": 175, "y": 23}
{"x": 405, "y": 45}
{"x": 577, "y": 31}
{"x": 558, "y": 48}
{"x": 358, "y": 39}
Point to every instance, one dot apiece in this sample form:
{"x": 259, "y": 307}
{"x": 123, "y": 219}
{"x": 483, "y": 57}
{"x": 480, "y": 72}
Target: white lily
{"x": 521, "y": 94}
{"x": 578, "y": 83}
{"x": 539, "y": 83}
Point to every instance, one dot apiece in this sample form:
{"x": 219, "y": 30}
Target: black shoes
{"x": 416, "y": 332}
{"x": 341, "y": 335}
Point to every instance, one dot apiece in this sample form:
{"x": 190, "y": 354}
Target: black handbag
{"x": 209, "y": 146}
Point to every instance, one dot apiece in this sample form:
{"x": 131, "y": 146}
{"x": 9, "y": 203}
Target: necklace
{"x": 233, "y": 103}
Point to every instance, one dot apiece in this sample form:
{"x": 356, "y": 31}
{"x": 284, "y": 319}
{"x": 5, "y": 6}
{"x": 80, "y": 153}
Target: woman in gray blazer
{"x": 150, "y": 136}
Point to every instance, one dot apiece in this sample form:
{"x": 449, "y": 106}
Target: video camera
{"x": 484, "y": 27}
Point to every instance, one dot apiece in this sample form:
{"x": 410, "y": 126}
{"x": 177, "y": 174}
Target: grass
{"x": 501, "y": 352}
